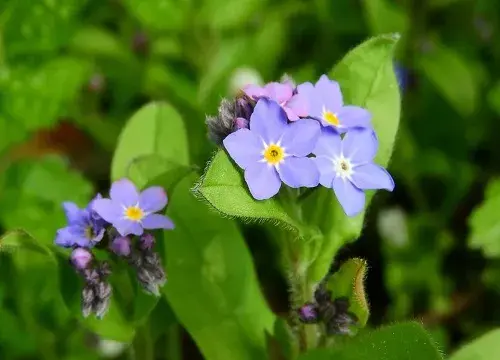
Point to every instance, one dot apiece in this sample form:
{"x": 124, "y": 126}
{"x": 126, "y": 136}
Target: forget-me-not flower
{"x": 346, "y": 165}
{"x": 85, "y": 228}
{"x": 273, "y": 150}
{"x": 326, "y": 104}
{"x": 131, "y": 212}
{"x": 295, "y": 105}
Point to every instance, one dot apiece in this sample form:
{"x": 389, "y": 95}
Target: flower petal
{"x": 299, "y": 105}
{"x": 313, "y": 98}
{"x": 360, "y": 145}
{"x": 254, "y": 91}
{"x": 73, "y": 213}
{"x": 124, "y": 192}
{"x": 350, "y": 197}
{"x": 299, "y": 172}
{"x": 372, "y": 177}
{"x": 354, "y": 116}
{"x": 326, "y": 170}
{"x": 127, "y": 227}
{"x": 244, "y": 146}
{"x": 268, "y": 120}
{"x": 300, "y": 137}
{"x": 157, "y": 221}
{"x": 262, "y": 180}
{"x": 64, "y": 237}
{"x": 107, "y": 209}
{"x": 279, "y": 92}
{"x": 329, "y": 91}
{"x": 329, "y": 143}
{"x": 153, "y": 199}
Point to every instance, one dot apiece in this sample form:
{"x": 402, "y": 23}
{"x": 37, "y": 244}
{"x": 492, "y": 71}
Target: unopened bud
{"x": 81, "y": 258}
{"x": 121, "y": 246}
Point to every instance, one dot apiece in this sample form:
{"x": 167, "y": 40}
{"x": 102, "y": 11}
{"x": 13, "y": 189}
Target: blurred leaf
{"x": 494, "y": 97}
{"x": 484, "y": 224}
{"x": 112, "y": 327}
{"x": 94, "y": 41}
{"x": 155, "y": 129}
{"x": 207, "y": 259}
{"x": 485, "y": 347}
{"x": 33, "y": 193}
{"x": 223, "y": 15}
{"x": 153, "y": 169}
{"x": 385, "y": 17}
{"x": 405, "y": 341}
{"x": 38, "y": 27}
{"x": 223, "y": 187}
{"x": 367, "y": 79}
{"x": 349, "y": 282}
{"x": 166, "y": 46}
{"x": 441, "y": 3}
{"x": 19, "y": 240}
{"x": 158, "y": 15}
{"x": 38, "y": 99}
{"x": 452, "y": 75}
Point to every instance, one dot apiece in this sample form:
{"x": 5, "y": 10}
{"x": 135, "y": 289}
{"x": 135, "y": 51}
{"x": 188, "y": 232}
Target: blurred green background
{"x": 73, "y": 71}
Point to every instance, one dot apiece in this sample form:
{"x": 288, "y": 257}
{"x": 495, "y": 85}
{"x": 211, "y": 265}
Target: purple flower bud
{"x": 308, "y": 313}
{"x": 241, "y": 123}
{"x": 121, "y": 246}
{"x": 81, "y": 258}
{"x": 147, "y": 241}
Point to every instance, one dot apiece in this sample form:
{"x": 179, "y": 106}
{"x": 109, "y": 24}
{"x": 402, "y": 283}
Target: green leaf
{"x": 224, "y": 188}
{"x": 37, "y": 99}
{"x": 367, "y": 79}
{"x": 207, "y": 259}
{"x": 158, "y": 15}
{"x": 385, "y": 17}
{"x": 156, "y": 129}
{"x": 41, "y": 27}
{"x": 97, "y": 42}
{"x": 33, "y": 191}
{"x": 453, "y": 75}
{"x": 486, "y": 347}
{"x": 349, "y": 282}
{"x": 19, "y": 240}
{"x": 406, "y": 341}
{"x": 494, "y": 97}
{"x": 483, "y": 222}
{"x": 113, "y": 326}
{"x": 223, "y": 15}
{"x": 153, "y": 169}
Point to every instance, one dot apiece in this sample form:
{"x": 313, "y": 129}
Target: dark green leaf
{"x": 207, "y": 259}
{"x": 407, "y": 341}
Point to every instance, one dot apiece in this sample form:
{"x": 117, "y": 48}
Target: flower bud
{"x": 81, "y": 258}
{"x": 121, "y": 246}
{"x": 147, "y": 241}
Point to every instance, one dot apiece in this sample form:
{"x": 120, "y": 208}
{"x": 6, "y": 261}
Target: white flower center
{"x": 343, "y": 167}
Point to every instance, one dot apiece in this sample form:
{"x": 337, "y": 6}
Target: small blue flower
{"x": 85, "y": 228}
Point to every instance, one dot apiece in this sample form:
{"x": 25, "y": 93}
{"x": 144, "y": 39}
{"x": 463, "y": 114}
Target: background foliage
{"x": 72, "y": 73}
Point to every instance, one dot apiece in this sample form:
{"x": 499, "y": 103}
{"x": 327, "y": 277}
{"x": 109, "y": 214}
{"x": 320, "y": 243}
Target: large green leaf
{"x": 485, "y": 347}
{"x": 38, "y": 98}
{"x": 453, "y": 75}
{"x": 156, "y": 129}
{"x": 407, "y": 341}
{"x": 367, "y": 79}
{"x": 224, "y": 188}
{"x": 213, "y": 288}
{"x": 158, "y": 14}
{"x": 485, "y": 228}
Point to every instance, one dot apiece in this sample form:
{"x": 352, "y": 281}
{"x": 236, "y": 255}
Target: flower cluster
{"x": 118, "y": 224}
{"x": 302, "y": 136}
{"x": 333, "y": 314}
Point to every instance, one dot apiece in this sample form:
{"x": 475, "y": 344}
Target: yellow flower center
{"x": 134, "y": 213}
{"x": 274, "y": 154}
{"x": 331, "y": 118}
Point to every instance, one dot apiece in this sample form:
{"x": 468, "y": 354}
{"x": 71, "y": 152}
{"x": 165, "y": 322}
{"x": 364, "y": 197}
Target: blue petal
{"x": 326, "y": 170}
{"x": 299, "y": 172}
{"x": 73, "y": 213}
{"x": 244, "y": 146}
{"x": 127, "y": 227}
{"x": 328, "y": 144}
{"x": 372, "y": 177}
{"x": 262, "y": 180}
{"x": 301, "y": 137}
{"x": 123, "y": 192}
{"x": 268, "y": 120}
{"x": 360, "y": 145}
{"x": 350, "y": 197}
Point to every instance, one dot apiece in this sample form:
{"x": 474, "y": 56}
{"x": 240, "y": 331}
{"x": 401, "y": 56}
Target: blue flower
{"x": 85, "y": 228}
